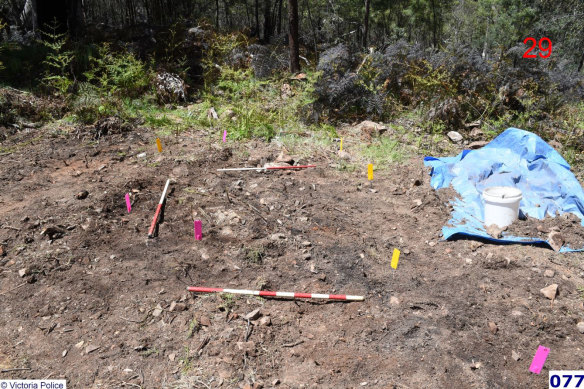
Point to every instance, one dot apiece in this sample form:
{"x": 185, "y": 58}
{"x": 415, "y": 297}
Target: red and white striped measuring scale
{"x": 266, "y": 293}
{"x": 158, "y": 210}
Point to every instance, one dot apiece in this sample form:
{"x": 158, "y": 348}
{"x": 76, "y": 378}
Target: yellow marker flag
{"x": 159, "y": 145}
{"x": 341, "y": 144}
{"x": 370, "y": 172}
{"x": 395, "y": 258}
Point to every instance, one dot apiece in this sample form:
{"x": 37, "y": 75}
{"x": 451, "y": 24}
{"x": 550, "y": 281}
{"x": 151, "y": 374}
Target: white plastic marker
{"x": 264, "y": 168}
{"x": 395, "y": 258}
{"x": 158, "y": 210}
{"x": 266, "y": 293}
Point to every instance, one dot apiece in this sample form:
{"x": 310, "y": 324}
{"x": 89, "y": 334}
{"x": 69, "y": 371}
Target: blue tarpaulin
{"x": 515, "y": 158}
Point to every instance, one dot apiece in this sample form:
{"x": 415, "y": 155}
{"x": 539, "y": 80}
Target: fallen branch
{"x": 293, "y": 344}
{"x": 15, "y": 369}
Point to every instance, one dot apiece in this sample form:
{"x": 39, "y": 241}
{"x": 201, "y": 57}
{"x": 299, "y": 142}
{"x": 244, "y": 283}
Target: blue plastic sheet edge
{"x": 453, "y": 233}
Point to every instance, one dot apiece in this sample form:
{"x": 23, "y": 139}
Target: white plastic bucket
{"x": 501, "y": 205}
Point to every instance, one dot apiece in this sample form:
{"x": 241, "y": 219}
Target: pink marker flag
{"x": 539, "y": 359}
{"x": 198, "y": 230}
{"x": 128, "y": 204}
{"x": 224, "y": 135}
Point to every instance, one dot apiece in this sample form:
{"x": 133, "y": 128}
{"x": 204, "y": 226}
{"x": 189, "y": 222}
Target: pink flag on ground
{"x": 198, "y": 230}
{"x": 539, "y": 359}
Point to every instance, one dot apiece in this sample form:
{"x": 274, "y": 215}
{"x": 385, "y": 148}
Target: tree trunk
{"x": 257, "y": 18}
{"x": 366, "y": 23}
{"x": 217, "y": 14}
{"x": 279, "y": 17}
{"x": 434, "y": 25}
{"x": 267, "y": 21}
{"x": 293, "y": 36}
{"x": 312, "y": 26}
{"x": 227, "y": 15}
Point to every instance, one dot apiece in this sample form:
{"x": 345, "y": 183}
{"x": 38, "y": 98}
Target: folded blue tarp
{"x": 515, "y": 158}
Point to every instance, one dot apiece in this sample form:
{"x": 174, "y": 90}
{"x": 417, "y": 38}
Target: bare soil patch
{"x": 86, "y": 296}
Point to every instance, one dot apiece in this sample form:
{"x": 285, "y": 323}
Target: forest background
{"x": 276, "y": 68}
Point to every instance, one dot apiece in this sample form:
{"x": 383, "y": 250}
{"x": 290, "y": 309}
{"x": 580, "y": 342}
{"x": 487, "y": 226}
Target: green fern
{"x": 58, "y": 75}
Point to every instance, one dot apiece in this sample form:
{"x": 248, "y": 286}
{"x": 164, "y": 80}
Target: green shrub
{"x": 120, "y": 74}
{"x": 58, "y": 75}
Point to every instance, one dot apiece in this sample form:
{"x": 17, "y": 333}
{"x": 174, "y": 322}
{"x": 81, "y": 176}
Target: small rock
{"x": 246, "y": 346}
{"x": 542, "y": 229}
{"x": 363, "y": 383}
{"x": 204, "y": 320}
{"x": 275, "y": 382}
{"x": 177, "y": 307}
{"x": 454, "y": 136}
{"x": 549, "y": 273}
{"x": 344, "y": 155}
{"x": 283, "y": 157}
{"x": 24, "y": 272}
{"x": 431, "y": 244}
{"x": 406, "y": 251}
{"x": 417, "y": 202}
{"x": 322, "y": 277}
{"x": 475, "y": 245}
{"x": 477, "y": 144}
{"x": 394, "y": 301}
{"x": 306, "y": 256}
{"x": 91, "y": 348}
{"x": 212, "y": 114}
{"x": 493, "y": 328}
{"x": 580, "y": 326}
{"x": 516, "y": 313}
{"x": 265, "y": 321}
{"x": 157, "y": 311}
{"x": 550, "y": 291}
{"x": 141, "y": 155}
{"x": 171, "y": 357}
{"x": 306, "y": 243}
{"x": 278, "y": 236}
{"x": 253, "y": 315}
{"x": 495, "y": 231}
{"x": 515, "y": 355}
{"x": 82, "y": 195}
{"x": 2, "y": 250}
{"x": 64, "y": 353}
{"x": 468, "y": 261}
{"x": 556, "y": 240}
{"x": 79, "y": 345}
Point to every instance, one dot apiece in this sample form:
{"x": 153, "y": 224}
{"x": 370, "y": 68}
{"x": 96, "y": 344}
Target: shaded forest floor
{"x": 87, "y": 297}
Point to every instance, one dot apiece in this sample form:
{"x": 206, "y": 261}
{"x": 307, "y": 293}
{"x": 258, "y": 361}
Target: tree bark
{"x": 434, "y": 25}
{"x": 217, "y": 14}
{"x": 581, "y": 64}
{"x": 366, "y": 23}
{"x": 257, "y": 18}
{"x": 279, "y": 17}
{"x": 267, "y": 21}
{"x": 293, "y": 36}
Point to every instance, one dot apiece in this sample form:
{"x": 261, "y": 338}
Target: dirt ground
{"x": 84, "y": 295}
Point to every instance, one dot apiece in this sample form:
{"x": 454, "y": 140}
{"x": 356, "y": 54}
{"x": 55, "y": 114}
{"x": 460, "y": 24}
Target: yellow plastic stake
{"x": 159, "y": 145}
{"x": 395, "y": 258}
{"x": 341, "y": 149}
{"x": 370, "y": 172}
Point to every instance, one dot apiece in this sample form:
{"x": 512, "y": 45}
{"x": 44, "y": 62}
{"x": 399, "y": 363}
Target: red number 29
{"x": 547, "y": 49}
